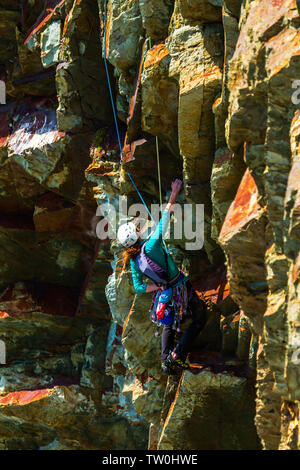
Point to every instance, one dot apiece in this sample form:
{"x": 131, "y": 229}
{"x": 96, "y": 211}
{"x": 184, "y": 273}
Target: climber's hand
{"x": 152, "y": 288}
{"x": 176, "y": 186}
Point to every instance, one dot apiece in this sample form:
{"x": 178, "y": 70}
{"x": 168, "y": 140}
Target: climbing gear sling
{"x": 175, "y": 308}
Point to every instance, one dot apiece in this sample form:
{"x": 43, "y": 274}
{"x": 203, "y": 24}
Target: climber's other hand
{"x": 176, "y": 186}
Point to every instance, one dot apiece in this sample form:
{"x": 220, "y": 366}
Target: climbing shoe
{"x": 167, "y": 368}
{"x": 177, "y": 362}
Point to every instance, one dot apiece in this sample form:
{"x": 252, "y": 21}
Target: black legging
{"x": 197, "y": 308}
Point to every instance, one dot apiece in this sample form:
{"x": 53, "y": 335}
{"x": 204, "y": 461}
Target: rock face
{"x": 213, "y": 86}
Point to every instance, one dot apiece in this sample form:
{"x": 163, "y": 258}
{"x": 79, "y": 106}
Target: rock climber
{"x": 174, "y": 298}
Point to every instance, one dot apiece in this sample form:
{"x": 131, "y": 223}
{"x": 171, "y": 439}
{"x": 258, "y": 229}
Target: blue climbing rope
{"x": 141, "y": 198}
{"x": 114, "y": 112}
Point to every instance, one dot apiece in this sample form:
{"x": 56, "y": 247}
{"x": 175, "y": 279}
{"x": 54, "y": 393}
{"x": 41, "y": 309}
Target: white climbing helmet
{"x": 127, "y": 235}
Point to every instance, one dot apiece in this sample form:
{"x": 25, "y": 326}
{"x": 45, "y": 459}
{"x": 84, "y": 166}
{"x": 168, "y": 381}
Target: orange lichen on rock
{"x": 156, "y": 54}
{"x": 282, "y": 48}
{"x": 49, "y": 11}
{"x": 193, "y": 79}
{"x": 294, "y": 175}
{"x": 4, "y": 130}
{"x": 213, "y": 287}
{"x": 100, "y": 169}
{"x": 244, "y": 208}
{"x": 24, "y": 397}
{"x": 262, "y": 16}
{"x": 4, "y": 314}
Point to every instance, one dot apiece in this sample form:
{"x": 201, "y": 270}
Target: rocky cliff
{"x": 211, "y": 84}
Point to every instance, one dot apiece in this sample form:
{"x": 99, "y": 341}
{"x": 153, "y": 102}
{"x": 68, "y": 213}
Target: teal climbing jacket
{"x": 154, "y": 249}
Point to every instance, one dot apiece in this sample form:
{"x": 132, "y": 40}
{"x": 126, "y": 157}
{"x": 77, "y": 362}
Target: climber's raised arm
{"x": 157, "y": 236}
{"x": 176, "y": 188}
